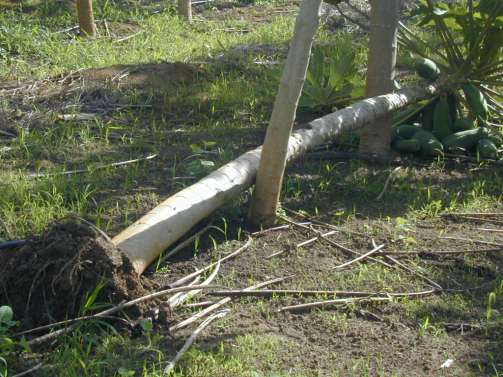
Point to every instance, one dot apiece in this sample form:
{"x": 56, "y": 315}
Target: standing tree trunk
{"x": 274, "y": 154}
{"x": 86, "y": 17}
{"x": 185, "y": 9}
{"x": 376, "y": 138}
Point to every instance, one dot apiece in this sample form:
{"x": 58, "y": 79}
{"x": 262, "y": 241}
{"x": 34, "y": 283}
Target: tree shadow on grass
{"x": 186, "y": 114}
{"x": 352, "y": 187}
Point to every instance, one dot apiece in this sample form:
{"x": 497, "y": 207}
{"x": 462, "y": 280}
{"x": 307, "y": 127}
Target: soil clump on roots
{"x": 50, "y": 278}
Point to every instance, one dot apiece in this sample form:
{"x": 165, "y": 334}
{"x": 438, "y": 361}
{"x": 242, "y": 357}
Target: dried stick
{"x": 74, "y": 322}
{"x": 388, "y": 181}
{"x": 78, "y": 171}
{"x": 276, "y": 228}
{"x": 218, "y": 304}
{"x": 198, "y": 315}
{"x": 128, "y": 37}
{"x": 319, "y": 304}
{"x": 274, "y": 254}
{"x": 490, "y": 230}
{"x": 175, "y": 301}
{"x": 293, "y": 292}
{"x": 312, "y": 240}
{"x": 264, "y": 231}
{"x": 481, "y": 219}
{"x": 398, "y": 264}
{"x": 412, "y": 271}
{"x": 199, "y": 304}
{"x": 314, "y": 221}
{"x": 473, "y": 241}
{"x": 76, "y": 117}
{"x": 192, "y": 338}
{"x": 211, "y": 265}
{"x": 481, "y": 214}
{"x": 29, "y": 371}
{"x": 436, "y": 253}
{"x": 361, "y": 257}
{"x": 333, "y": 243}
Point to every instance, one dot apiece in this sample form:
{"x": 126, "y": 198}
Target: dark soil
{"x": 378, "y": 339}
{"x": 152, "y": 76}
{"x": 50, "y": 278}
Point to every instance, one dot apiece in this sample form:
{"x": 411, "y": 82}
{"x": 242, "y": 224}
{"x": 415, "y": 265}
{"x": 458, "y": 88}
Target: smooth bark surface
{"x": 86, "y": 17}
{"x": 185, "y": 9}
{"x": 376, "y": 139}
{"x": 275, "y": 149}
{"x": 148, "y": 237}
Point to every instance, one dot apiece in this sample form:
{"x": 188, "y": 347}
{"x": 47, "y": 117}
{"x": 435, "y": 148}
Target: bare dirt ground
{"x": 379, "y": 338}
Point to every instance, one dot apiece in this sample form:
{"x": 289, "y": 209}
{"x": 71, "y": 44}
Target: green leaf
{"x": 207, "y": 163}
{"x": 6, "y": 315}
{"x": 6, "y": 344}
{"x": 439, "y": 12}
{"x": 196, "y": 148}
{"x": 209, "y": 144}
{"x": 146, "y": 325}
{"x": 125, "y": 372}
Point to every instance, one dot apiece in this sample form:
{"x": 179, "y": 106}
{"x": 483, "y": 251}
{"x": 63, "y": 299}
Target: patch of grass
{"x": 49, "y": 52}
{"x": 251, "y": 355}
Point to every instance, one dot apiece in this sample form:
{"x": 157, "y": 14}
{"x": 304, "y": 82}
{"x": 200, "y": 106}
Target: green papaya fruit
{"x": 427, "y": 115}
{"x": 463, "y": 124}
{"x": 430, "y": 146}
{"x": 453, "y": 106}
{"x": 476, "y": 101}
{"x": 404, "y": 131}
{"x": 464, "y": 140}
{"x": 427, "y": 69}
{"x": 442, "y": 121}
{"x": 407, "y": 146}
{"x": 487, "y": 149}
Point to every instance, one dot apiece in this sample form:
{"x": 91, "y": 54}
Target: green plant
{"x": 468, "y": 48}
{"x": 90, "y": 303}
{"x": 332, "y": 78}
{"x": 7, "y": 344}
{"x": 491, "y": 302}
{"x": 464, "y": 54}
{"x": 425, "y": 327}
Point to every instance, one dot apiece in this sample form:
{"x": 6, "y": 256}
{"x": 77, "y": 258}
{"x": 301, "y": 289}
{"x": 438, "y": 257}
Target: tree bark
{"x": 185, "y": 9}
{"x": 86, "y": 17}
{"x": 275, "y": 149}
{"x": 148, "y": 237}
{"x": 376, "y": 139}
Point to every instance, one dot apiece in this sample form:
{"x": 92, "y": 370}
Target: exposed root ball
{"x": 50, "y": 278}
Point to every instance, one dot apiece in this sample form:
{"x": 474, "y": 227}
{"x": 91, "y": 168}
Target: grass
{"x": 195, "y": 128}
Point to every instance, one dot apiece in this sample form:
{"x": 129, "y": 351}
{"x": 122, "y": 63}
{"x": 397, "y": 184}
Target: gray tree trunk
{"x": 185, "y": 9}
{"x": 148, "y": 237}
{"x": 275, "y": 149}
{"x": 376, "y": 139}
{"x": 86, "y": 17}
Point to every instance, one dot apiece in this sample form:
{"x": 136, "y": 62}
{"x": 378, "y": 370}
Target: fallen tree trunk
{"x": 148, "y": 237}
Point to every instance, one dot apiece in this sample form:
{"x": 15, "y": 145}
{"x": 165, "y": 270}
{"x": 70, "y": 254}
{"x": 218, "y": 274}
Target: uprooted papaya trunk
{"x": 148, "y": 237}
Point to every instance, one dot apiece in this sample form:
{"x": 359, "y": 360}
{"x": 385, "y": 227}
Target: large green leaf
{"x": 6, "y": 315}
